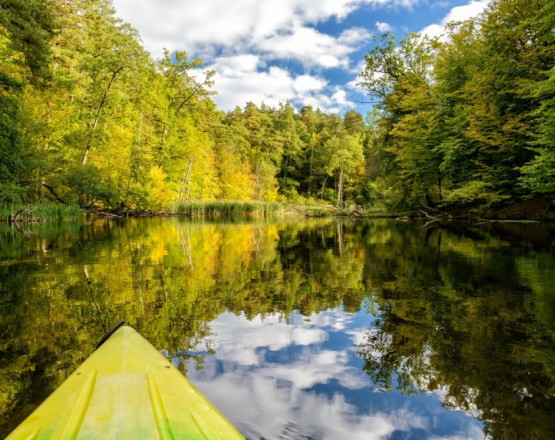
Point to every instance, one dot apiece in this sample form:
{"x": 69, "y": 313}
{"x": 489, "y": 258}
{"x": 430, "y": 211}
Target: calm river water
{"x": 299, "y": 329}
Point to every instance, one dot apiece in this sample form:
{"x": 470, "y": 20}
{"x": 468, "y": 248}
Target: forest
{"x": 88, "y": 118}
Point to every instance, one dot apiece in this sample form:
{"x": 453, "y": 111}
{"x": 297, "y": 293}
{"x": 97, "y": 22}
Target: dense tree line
{"x": 88, "y": 117}
{"x": 468, "y": 118}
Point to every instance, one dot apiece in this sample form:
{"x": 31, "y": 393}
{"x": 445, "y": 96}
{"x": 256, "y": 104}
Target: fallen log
{"x": 16, "y": 218}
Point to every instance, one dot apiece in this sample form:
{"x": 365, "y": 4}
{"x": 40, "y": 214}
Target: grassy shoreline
{"x": 40, "y": 212}
{"x": 523, "y": 211}
{"x": 223, "y": 209}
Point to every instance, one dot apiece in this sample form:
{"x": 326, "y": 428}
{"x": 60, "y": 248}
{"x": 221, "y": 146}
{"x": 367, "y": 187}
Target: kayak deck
{"x": 126, "y": 390}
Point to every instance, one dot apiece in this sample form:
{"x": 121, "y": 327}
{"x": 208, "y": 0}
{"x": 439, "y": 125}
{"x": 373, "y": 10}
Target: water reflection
{"x": 316, "y": 329}
{"x": 303, "y": 379}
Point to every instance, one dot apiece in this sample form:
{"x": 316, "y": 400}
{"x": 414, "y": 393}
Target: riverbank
{"x": 537, "y": 208}
{"x": 42, "y": 212}
{"x": 39, "y": 212}
{"x": 540, "y": 208}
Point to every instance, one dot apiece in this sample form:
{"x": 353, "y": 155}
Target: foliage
{"x": 53, "y": 211}
{"x": 114, "y": 128}
{"x": 228, "y": 209}
{"x": 463, "y": 120}
{"x": 465, "y": 117}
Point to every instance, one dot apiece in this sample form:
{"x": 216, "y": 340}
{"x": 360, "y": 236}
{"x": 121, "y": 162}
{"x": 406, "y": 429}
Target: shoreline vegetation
{"x": 537, "y": 209}
{"x": 461, "y": 126}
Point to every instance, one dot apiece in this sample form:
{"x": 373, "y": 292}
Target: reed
{"x": 43, "y": 211}
{"x": 227, "y": 209}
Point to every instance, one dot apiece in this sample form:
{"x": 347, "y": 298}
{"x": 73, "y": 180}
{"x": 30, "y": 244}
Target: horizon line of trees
{"x": 88, "y": 117}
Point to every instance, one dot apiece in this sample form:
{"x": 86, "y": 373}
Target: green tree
{"x": 287, "y": 131}
{"x": 344, "y": 156}
{"x": 26, "y": 28}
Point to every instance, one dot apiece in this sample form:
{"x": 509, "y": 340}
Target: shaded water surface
{"x": 299, "y": 329}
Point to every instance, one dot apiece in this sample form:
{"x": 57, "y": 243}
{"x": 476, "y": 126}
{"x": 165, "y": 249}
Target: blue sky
{"x": 309, "y": 52}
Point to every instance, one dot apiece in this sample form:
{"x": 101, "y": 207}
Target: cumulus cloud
{"x": 239, "y": 79}
{"x": 312, "y": 47}
{"x": 243, "y": 40}
{"x": 458, "y": 13}
{"x": 200, "y": 25}
{"x": 354, "y": 85}
{"x": 383, "y": 27}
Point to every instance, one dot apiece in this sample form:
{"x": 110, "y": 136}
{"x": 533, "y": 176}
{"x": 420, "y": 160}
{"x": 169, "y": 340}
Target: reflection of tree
{"x": 460, "y": 316}
{"x": 61, "y": 289}
{"x": 458, "y": 310}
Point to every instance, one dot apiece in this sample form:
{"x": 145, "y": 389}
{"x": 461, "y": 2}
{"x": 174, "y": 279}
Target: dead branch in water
{"x": 17, "y": 217}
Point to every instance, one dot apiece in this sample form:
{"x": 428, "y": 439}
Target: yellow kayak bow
{"x": 126, "y": 390}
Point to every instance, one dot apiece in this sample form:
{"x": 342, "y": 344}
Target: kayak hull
{"x": 126, "y": 389}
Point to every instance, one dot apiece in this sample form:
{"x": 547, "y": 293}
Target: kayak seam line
{"x": 160, "y": 415}
{"x": 35, "y": 434}
{"x": 200, "y": 430}
{"x": 82, "y": 405}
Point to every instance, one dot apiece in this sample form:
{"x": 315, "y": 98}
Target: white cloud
{"x": 353, "y": 85}
{"x": 308, "y": 83}
{"x": 196, "y": 26}
{"x": 237, "y": 65}
{"x": 333, "y": 101}
{"x": 383, "y": 27}
{"x": 241, "y": 38}
{"x": 440, "y": 4}
{"x": 311, "y": 47}
{"x": 465, "y": 12}
{"x": 239, "y": 79}
{"x": 354, "y": 36}
{"x": 340, "y": 97}
{"x": 307, "y": 45}
{"x": 458, "y": 13}
{"x": 357, "y": 68}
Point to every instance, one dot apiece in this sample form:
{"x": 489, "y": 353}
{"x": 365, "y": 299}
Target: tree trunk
{"x": 98, "y": 112}
{"x": 323, "y": 186}
{"x": 185, "y": 178}
{"x": 260, "y": 190}
{"x": 163, "y": 140}
{"x": 285, "y": 171}
{"x": 138, "y": 169}
{"x": 189, "y": 180}
{"x": 310, "y": 173}
{"x": 139, "y": 144}
{"x": 439, "y": 185}
{"x": 120, "y": 208}
{"x": 49, "y": 188}
{"x": 340, "y": 187}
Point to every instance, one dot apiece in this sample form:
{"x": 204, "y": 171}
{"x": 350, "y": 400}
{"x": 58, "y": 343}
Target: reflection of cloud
{"x": 278, "y": 409}
{"x": 316, "y": 368}
{"x": 275, "y": 379}
{"x": 358, "y": 336}
{"x": 237, "y": 339}
{"x": 473, "y": 432}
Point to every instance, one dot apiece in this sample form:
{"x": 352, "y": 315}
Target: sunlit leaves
{"x": 466, "y": 118}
